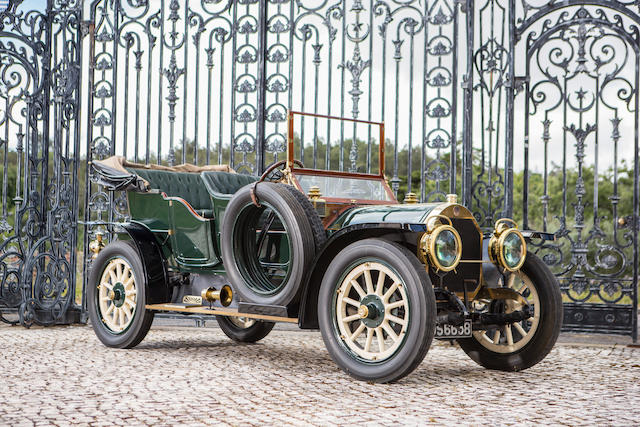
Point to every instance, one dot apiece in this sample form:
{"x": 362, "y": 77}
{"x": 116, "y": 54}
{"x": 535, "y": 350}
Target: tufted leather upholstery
{"x": 188, "y": 186}
{"x": 224, "y": 184}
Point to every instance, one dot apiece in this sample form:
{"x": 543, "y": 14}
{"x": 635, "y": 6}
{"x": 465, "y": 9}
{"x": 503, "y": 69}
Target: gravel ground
{"x": 193, "y": 376}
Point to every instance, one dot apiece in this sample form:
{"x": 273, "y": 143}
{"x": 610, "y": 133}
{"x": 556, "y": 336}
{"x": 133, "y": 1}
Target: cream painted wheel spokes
{"x": 242, "y": 322}
{"x": 372, "y": 311}
{"x": 511, "y": 337}
{"x": 117, "y": 295}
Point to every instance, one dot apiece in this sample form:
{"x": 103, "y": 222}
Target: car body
{"x": 322, "y": 249}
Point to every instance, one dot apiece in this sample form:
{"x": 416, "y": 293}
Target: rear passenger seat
{"x": 188, "y": 186}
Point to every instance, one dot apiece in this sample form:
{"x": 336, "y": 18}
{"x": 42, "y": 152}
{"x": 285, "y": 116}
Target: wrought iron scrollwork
{"x": 202, "y": 81}
{"x": 39, "y": 94}
{"x": 581, "y": 92}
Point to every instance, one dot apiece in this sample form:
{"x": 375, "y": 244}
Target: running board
{"x": 179, "y": 308}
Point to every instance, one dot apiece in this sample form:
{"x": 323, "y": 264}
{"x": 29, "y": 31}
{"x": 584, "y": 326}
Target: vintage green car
{"x": 322, "y": 249}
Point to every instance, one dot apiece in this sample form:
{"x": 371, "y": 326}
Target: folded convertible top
{"x": 114, "y": 173}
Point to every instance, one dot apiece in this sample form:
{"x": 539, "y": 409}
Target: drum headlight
{"x": 507, "y": 247}
{"x": 441, "y": 245}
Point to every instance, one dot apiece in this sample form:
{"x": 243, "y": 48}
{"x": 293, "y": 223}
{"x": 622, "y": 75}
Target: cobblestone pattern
{"x": 189, "y": 376}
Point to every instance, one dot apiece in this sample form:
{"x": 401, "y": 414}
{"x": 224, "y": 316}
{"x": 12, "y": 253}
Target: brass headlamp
{"x": 507, "y": 247}
{"x": 441, "y": 245}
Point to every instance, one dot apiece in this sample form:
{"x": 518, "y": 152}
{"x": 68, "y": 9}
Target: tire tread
{"x": 545, "y": 337}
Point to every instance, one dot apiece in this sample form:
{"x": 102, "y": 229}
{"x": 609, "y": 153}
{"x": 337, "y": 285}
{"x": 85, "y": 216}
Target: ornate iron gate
{"x": 40, "y": 57}
{"x": 172, "y": 81}
{"x": 211, "y": 82}
{"x": 580, "y": 66}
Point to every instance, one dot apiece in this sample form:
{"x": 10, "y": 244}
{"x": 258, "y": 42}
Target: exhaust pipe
{"x": 224, "y": 295}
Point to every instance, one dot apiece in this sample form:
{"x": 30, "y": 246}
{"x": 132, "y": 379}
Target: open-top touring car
{"x": 323, "y": 249}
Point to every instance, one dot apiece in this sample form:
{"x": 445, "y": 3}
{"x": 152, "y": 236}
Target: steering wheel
{"x": 273, "y": 174}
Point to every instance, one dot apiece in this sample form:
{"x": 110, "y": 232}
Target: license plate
{"x": 452, "y": 331}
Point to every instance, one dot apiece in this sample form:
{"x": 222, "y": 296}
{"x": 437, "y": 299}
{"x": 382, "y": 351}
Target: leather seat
{"x": 188, "y": 186}
{"x": 222, "y": 185}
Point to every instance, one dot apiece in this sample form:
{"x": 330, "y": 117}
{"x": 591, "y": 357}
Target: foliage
{"x": 555, "y": 180}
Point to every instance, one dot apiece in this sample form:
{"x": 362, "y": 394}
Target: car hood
{"x": 390, "y": 214}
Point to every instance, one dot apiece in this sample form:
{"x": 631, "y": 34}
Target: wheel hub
{"x": 117, "y": 294}
{"x": 511, "y": 322}
{"x": 371, "y": 311}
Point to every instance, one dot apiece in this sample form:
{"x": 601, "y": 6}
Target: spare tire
{"x": 266, "y": 249}
{"x": 319, "y": 233}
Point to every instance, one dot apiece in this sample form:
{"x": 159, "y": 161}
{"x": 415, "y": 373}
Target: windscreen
{"x": 345, "y": 187}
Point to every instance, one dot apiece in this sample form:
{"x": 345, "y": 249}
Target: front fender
{"x": 153, "y": 262}
{"x": 406, "y": 234}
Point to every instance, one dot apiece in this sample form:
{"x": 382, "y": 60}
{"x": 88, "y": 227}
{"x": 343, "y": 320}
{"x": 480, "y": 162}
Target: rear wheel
{"x": 117, "y": 295}
{"x": 243, "y": 329}
{"x": 376, "y": 310}
{"x": 519, "y": 345}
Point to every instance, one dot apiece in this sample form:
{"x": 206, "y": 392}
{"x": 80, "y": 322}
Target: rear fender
{"x": 155, "y": 269}
{"x": 405, "y": 234}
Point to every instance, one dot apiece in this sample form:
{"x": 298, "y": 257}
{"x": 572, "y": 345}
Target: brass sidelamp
{"x": 441, "y": 245}
{"x": 507, "y": 247}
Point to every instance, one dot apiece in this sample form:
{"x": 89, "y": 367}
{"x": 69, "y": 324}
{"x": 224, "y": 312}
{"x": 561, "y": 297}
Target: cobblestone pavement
{"x": 190, "y": 376}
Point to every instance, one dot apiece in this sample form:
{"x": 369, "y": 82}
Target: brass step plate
{"x": 217, "y": 312}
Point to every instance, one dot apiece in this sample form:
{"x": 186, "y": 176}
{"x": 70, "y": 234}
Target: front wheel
{"x": 116, "y": 296}
{"x": 244, "y": 329}
{"x": 376, "y": 310}
{"x": 520, "y": 345}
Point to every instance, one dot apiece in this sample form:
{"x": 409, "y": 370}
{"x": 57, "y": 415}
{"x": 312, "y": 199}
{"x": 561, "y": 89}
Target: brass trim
{"x": 432, "y": 224}
{"x": 363, "y": 311}
{"x": 454, "y": 210}
{"x": 501, "y": 225}
{"x": 496, "y": 244}
{"x": 224, "y": 295}
{"x": 96, "y": 245}
{"x": 218, "y": 312}
{"x": 314, "y": 192}
{"x": 427, "y": 247}
{"x": 410, "y": 198}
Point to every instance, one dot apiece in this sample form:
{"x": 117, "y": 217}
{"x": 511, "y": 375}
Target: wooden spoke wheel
{"x": 376, "y": 310}
{"x": 116, "y": 296}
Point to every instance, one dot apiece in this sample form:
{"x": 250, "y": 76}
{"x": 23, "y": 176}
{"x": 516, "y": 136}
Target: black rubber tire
{"x": 319, "y": 233}
{"x": 422, "y": 305}
{"x": 253, "y": 333}
{"x": 300, "y": 234}
{"x": 543, "y": 340}
{"x": 142, "y": 318}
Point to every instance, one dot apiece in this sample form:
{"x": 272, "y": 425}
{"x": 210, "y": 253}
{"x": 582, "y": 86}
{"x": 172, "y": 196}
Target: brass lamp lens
{"x": 513, "y": 250}
{"x": 446, "y": 248}
{"x": 441, "y": 248}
